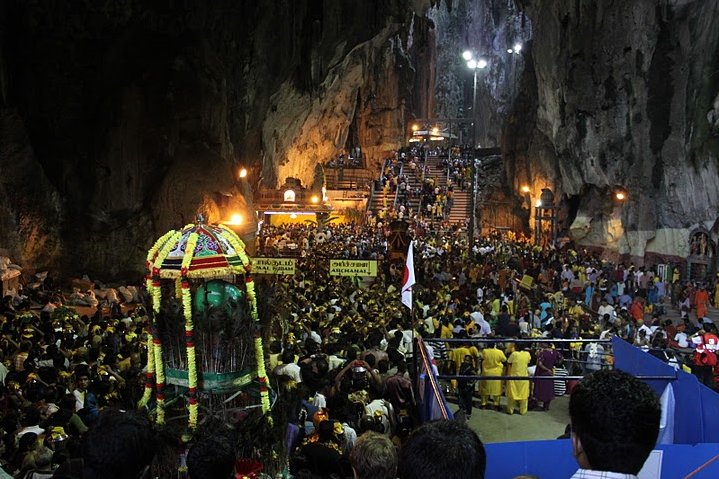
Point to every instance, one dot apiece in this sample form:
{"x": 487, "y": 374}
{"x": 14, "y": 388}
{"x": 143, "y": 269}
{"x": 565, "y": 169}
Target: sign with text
{"x": 352, "y": 267}
{"x": 273, "y": 265}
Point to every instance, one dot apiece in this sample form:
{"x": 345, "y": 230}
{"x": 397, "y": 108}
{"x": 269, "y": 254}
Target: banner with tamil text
{"x": 273, "y": 265}
{"x": 353, "y": 267}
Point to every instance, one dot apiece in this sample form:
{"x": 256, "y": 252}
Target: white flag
{"x": 408, "y": 280}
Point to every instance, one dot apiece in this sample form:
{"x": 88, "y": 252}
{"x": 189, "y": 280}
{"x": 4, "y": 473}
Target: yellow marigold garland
{"x": 178, "y": 288}
{"x": 262, "y": 375}
{"x": 152, "y": 251}
{"x": 155, "y": 290}
{"x": 160, "y": 380}
{"x": 237, "y": 244}
{"x": 191, "y": 358}
{"x": 149, "y": 375}
{"x": 189, "y": 331}
{"x": 252, "y": 297}
{"x": 148, "y": 284}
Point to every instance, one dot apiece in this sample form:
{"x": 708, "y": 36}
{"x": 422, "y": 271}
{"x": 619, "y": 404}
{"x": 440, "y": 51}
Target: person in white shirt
{"x": 83, "y": 381}
{"x": 681, "y": 338}
{"x": 605, "y": 308}
{"x": 289, "y": 367}
{"x": 643, "y": 327}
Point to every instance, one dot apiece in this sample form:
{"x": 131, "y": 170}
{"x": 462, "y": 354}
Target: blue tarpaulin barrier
{"x": 695, "y": 405}
{"x": 553, "y": 459}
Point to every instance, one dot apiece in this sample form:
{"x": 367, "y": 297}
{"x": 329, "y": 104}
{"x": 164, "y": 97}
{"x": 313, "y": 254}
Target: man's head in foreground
{"x": 445, "y": 449}
{"x": 615, "y": 422}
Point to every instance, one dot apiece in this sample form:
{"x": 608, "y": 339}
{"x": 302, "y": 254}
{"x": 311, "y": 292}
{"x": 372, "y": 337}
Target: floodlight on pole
{"x": 467, "y": 55}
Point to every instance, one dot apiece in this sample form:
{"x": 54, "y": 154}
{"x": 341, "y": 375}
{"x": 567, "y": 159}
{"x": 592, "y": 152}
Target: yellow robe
{"x": 518, "y": 364}
{"x": 492, "y": 359}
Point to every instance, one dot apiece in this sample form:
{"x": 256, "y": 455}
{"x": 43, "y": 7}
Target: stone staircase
{"x": 434, "y": 170}
{"x": 461, "y": 208}
{"x": 381, "y": 199}
{"x": 414, "y": 182}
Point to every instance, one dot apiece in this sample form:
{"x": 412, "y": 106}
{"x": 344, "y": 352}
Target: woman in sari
{"x": 547, "y": 359}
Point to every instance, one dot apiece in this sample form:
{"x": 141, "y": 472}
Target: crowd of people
{"x": 341, "y": 349}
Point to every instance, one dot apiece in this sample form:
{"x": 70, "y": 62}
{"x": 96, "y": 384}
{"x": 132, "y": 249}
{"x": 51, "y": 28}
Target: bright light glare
{"x": 538, "y": 203}
{"x": 517, "y": 47}
{"x": 509, "y": 50}
{"x": 235, "y": 219}
{"x": 467, "y": 55}
{"x": 525, "y": 189}
{"x": 481, "y": 63}
{"x": 620, "y": 196}
{"x": 472, "y": 64}
{"x": 315, "y": 199}
{"x": 243, "y": 173}
{"x": 415, "y": 127}
{"x": 293, "y": 216}
{"x": 435, "y": 131}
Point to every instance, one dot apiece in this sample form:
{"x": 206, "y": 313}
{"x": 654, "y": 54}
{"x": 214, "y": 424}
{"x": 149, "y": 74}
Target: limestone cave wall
{"x": 621, "y": 96}
{"x": 121, "y": 119}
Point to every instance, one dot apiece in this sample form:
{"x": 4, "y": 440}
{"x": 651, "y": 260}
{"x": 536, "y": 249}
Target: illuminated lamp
{"x": 289, "y": 196}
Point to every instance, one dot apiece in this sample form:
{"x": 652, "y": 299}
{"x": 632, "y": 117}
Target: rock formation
{"x": 619, "y": 95}
{"x": 122, "y": 119}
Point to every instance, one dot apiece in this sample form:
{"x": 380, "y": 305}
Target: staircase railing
{"x": 396, "y": 189}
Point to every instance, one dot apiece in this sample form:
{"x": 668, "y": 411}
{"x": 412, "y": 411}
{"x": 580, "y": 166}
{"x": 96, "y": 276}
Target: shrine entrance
{"x": 701, "y": 263}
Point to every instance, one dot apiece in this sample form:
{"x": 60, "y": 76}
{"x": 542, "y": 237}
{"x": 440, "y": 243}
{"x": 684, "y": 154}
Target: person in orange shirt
{"x": 701, "y": 301}
{"x": 637, "y": 309}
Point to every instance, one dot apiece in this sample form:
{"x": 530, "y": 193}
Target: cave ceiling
{"x": 123, "y": 119}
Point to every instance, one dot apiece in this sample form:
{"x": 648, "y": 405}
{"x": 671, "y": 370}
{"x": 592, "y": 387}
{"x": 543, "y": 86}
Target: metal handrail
{"x": 527, "y": 378}
{"x": 516, "y": 340}
{"x": 396, "y": 189}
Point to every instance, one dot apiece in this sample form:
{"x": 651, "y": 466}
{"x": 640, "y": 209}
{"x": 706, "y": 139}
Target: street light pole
{"x": 474, "y": 64}
{"x": 474, "y": 110}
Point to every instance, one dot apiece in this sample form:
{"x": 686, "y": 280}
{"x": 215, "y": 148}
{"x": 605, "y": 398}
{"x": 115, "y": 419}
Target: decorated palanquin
{"x": 204, "y": 348}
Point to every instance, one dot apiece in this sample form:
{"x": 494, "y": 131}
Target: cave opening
{"x": 572, "y": 203}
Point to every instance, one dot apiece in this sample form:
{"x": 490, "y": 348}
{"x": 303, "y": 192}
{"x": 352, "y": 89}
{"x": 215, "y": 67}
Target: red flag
{"x": 408, "y": 279}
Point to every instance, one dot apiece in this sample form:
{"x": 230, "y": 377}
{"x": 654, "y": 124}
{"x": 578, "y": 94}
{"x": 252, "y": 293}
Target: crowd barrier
{"x": 689, "y": 436}
{"x": 689, "y": 408}
{"x": 554, "y": 460}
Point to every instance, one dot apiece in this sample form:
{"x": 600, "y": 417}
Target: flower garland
{"x": 259, "y": 350}
{"x": 252, "y": 297}
{"x": 155, "y": 291}
{"x": 262, "y": 375}
{"x": 149, "y": 375}
{"x": 156, "y": 247}
{"x": 237, "y": 244}
{"x": 189, "y": 332}
{"x": 160, "y": 380}
{"x": 178, "y": 288}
